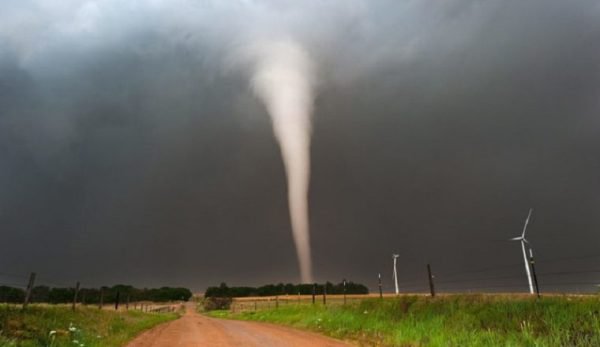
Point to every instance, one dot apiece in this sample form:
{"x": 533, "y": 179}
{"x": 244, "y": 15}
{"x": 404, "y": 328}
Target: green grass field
{"x": 453, "y": 320}
{"x": 56, "y": 326}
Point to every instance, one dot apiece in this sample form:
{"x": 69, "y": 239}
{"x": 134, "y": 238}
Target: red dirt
{"x": 194, "y": 330}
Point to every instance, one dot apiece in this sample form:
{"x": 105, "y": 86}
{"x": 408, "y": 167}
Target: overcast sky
{"x": 132, "y": 149}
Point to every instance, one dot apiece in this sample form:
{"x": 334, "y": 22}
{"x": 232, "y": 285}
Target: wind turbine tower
{"x": 523, "y": 242}
{"x": 395, "y": 257}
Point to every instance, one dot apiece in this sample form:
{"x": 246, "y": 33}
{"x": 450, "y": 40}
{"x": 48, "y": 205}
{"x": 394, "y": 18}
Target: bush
{"x": 215, "y": 303}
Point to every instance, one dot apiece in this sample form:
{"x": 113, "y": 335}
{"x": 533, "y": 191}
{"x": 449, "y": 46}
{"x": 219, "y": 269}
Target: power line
{"x": 569, "y": 272}
{"x": 4, "y": 274}
{"x": 14, "y": 285}
{"x": 478, "y": 279}
{"x": 491, "y": 268}
{"x": 553, "y": 260}
{"x": 504, "y": 286}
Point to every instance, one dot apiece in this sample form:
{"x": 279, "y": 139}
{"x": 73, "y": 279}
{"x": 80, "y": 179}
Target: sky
{"x": 133, "y": 150}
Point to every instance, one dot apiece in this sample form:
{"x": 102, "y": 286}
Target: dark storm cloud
{"x": 132, "y": 151}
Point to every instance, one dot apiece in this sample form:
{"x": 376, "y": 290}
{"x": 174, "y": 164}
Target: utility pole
{"x": 314, "y": 292}
{"x": 535, "y": 280}
{"x": 431, "y": 287}
{"x": 380, "y": 289}
{"x": 29, "y": 288}
{"x": 75, "y": 296}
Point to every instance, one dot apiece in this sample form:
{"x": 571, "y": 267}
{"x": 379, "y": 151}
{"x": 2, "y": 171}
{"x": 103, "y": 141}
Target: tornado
{"x": 283, "y": 79}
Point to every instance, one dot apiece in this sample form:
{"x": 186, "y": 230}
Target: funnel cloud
{"x": 137, "y": 128}
{"x": 283, "y": 80}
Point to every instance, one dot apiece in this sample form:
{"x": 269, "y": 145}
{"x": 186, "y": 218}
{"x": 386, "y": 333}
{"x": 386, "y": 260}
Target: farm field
{"x": 447, "y": 320}
{"x": 59, "y": 325}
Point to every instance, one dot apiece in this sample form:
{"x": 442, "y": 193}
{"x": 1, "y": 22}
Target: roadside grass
{"x": 55, "y": 326}
{"x": 449, "y": 320}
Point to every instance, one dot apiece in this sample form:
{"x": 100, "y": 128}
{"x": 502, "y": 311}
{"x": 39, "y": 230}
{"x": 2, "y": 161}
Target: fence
{"x": 481, "y": 280}
{"x": 585, "y": 278}
{"x": 21, "y": 290}
{"x": 272, "y": 302}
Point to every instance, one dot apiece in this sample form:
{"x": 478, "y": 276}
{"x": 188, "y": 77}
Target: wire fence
{"x": 505, "y": 278}
{"x": 481, "y": 280}
{"x": 23, "y": 290}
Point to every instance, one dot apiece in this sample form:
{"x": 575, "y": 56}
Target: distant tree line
{"x": 56, "y": 295}
{"x": 282, "y": 289}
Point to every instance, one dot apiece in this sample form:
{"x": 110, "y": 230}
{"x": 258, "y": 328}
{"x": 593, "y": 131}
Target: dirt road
{"x": 194, "y": 330}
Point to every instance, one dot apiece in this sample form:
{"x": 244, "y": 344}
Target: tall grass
{"x": 456, "y": 320}
{"x": 55, "y": 326}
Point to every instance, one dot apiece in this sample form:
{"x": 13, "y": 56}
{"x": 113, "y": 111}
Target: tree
{"x": 11, "y": 295}
{"x": 223, "y": 290}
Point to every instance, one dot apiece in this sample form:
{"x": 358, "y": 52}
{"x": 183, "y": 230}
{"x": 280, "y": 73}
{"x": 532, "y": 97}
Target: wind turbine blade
{"x": 518, "y": 238}
{"x": 526, "y": 222}
{"x": 529, "y": 215}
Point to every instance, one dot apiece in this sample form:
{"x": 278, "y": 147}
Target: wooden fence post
{"x": 83, "y": 292}
{"x": 75, "y": 296}
{"x": 117, "y": 300}
{"x": 535, "y": 280}
{"x": 29, "y": 288}
{"x": 431, "y": 287}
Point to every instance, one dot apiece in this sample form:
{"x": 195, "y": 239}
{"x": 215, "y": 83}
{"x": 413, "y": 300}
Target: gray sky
{"x": 132, "y": 149}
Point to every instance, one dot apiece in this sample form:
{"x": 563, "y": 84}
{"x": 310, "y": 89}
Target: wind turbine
{"x": 395, "y": 257}
{"x": 523, "y": 242}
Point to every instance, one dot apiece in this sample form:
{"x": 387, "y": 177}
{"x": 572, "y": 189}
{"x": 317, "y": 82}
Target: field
{"x": 448, "y": 320}
{"x": 58, "y": 325}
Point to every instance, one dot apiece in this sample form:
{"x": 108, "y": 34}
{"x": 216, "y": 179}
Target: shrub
{"x": 217, "y": 303}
